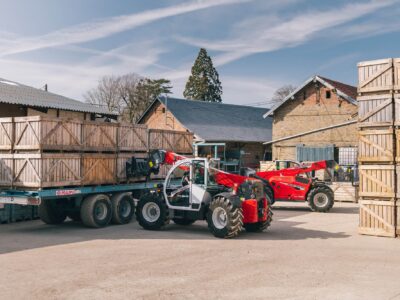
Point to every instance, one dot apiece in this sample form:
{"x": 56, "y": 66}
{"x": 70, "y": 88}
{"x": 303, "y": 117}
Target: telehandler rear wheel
{"x": 224, "y": 219}
{"x": 320, "y": 199}
{"x": 152, "y": 212}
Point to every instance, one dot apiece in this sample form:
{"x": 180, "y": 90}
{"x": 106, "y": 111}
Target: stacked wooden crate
{"x": 43, "y": 152}
{"x": 378, "y": 117}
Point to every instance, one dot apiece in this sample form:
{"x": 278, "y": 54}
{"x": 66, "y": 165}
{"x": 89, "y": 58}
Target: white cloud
{"x": 261, "y": 36}
{"x": 106, "y": 27}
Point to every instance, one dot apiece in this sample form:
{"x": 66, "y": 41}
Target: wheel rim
{"x": 101, "y": 211}
{"x": 219, "y": 218}
{"x": 321, "y": 199}
{"x": 125, "y": 209}
{"x": 151, "y": 212}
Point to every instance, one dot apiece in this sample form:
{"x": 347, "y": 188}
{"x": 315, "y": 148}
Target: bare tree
{"x": 281, "y": 93}
{"x": 106, "y": 94}
{"x": 129, "y": 94}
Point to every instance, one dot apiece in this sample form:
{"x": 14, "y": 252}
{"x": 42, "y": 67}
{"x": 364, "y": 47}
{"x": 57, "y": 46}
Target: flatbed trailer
{"x": 95, "y": 206}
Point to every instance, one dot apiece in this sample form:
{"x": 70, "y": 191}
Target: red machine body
{"x": 250, "y": 207}
{"x": 293, "y": 183}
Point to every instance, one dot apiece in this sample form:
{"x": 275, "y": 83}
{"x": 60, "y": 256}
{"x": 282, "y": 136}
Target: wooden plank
{"x": 375, "y": 110}
{"x": 377, "y": 181}
{"x": 6, "y": 133}
{"x": 377, "y": 218}
{"x": 376, "y": 145}
{"x": 374, "y": 76}
{"x": 396, "y": 73}
{"x": 45, "y": 133}
{"x": 6, "y": 169}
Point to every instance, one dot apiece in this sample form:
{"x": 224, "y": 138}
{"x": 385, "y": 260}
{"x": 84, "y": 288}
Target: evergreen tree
{"x": 203, "y": 84}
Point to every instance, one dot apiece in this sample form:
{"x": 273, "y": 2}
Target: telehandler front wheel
{"x": 224, "y": 219}
{"x": 320, "y": 199}
{"x": 152, "y": 212}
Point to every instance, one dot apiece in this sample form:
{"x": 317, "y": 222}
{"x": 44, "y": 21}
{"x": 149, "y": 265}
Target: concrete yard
{"x": 304, "y": 255}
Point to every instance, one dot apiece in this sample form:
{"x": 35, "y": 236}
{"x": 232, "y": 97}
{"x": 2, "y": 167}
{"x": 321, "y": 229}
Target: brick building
{"x": 232, "y": 133}
{"x": 321, "y": 114}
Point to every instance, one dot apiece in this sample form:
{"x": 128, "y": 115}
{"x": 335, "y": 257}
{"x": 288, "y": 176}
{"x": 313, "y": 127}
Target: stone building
{"x": 320, "y": 115}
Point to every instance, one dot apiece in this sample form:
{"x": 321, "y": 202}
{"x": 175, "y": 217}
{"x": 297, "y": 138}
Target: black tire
{"x": 96, "y": 211}
{"x": 270, "y": 195}
{"x": 320, "y": 198}
{"x": 123, "y": 208}
{"x": 152, "y": 212}
{"x": 75, "y": 216}
{"x": 234, "y": 218}
{"x": 183, "y": 222}
{"x": 51, "y": 212}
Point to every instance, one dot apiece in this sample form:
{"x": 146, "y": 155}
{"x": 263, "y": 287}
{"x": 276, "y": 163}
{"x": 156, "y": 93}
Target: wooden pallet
{"x": 375, "y": 76}
{"x": 344, "y": 192}
{"x": 132, "y": 137}
{"x": 377, "y": 181}
{"x": 376, "y": 146}
{"x": 43, "y": 133}
{"x": 375, "y": 110}
{"x": 46, "y": 170}
{"x": 100, "y": 136}
{"x": 177, "y": 141}
{"x": 98, "y": 168}
{"x": 377, "y": 218}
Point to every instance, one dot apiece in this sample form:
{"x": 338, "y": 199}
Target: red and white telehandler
{"x": 194, "y": 190}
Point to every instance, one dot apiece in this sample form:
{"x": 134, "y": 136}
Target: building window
{"x": 328, "y": 95}
{"x": 163, "y": 110}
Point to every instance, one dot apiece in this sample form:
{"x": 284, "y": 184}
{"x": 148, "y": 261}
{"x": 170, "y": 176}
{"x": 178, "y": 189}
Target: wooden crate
{"x": 100, "y": 136}
{"x": 132, "y": 137}
{"x": 46, "y": 170}
{"x": 375, "y": 110}
{"x": 177, "y": 141}
{"x": 377, "y": 181}
{"x": 122, "y": 158}
{"x": 377, "y": 218}
{"x": 375, "y": 75}
{"x": 267, "y": 166}
{"x": 376, "y": 145}
{"x": 6, "y": 133}
{"x": 44, "y": 133}
{"x": 398, "y": 218}
{"x": 99, "y": 169}
{"x": 396, "y": 109}
{"x": 345, "y": 192}
{"x": 6, "y": 169}
{"x": 162, "y": 174}
{"x": 396, "y": 73}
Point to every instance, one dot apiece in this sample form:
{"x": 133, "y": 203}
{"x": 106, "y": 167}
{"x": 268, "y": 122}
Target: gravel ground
{"x": 303, "y": 255}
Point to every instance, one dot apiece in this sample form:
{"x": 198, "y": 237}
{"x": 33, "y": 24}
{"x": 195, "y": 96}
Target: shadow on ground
{"x": 35, "y": 234}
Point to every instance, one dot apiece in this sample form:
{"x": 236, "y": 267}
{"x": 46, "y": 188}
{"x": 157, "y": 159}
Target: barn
{"x": 233, "y": 134}
{"x": 19, "y": 100}
{"x": 316, "y": 121}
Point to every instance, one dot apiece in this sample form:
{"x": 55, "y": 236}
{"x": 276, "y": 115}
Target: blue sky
{"x": 256, "y": 45}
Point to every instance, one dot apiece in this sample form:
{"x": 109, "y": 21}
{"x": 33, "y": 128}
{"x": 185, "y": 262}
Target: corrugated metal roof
{"x": 221, "y": 122}
{"x": 15, "y": 93}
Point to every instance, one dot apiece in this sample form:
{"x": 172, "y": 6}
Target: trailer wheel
{"x": 152, "y": 212}
{"x": 183, "y": 221}
{"x": 96, "y": 211}
{"x": 123, "y": 208}
{"x": 320, "y": 199}
{"x": 50, "y": 212}
{"x": 224, "y": 220}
